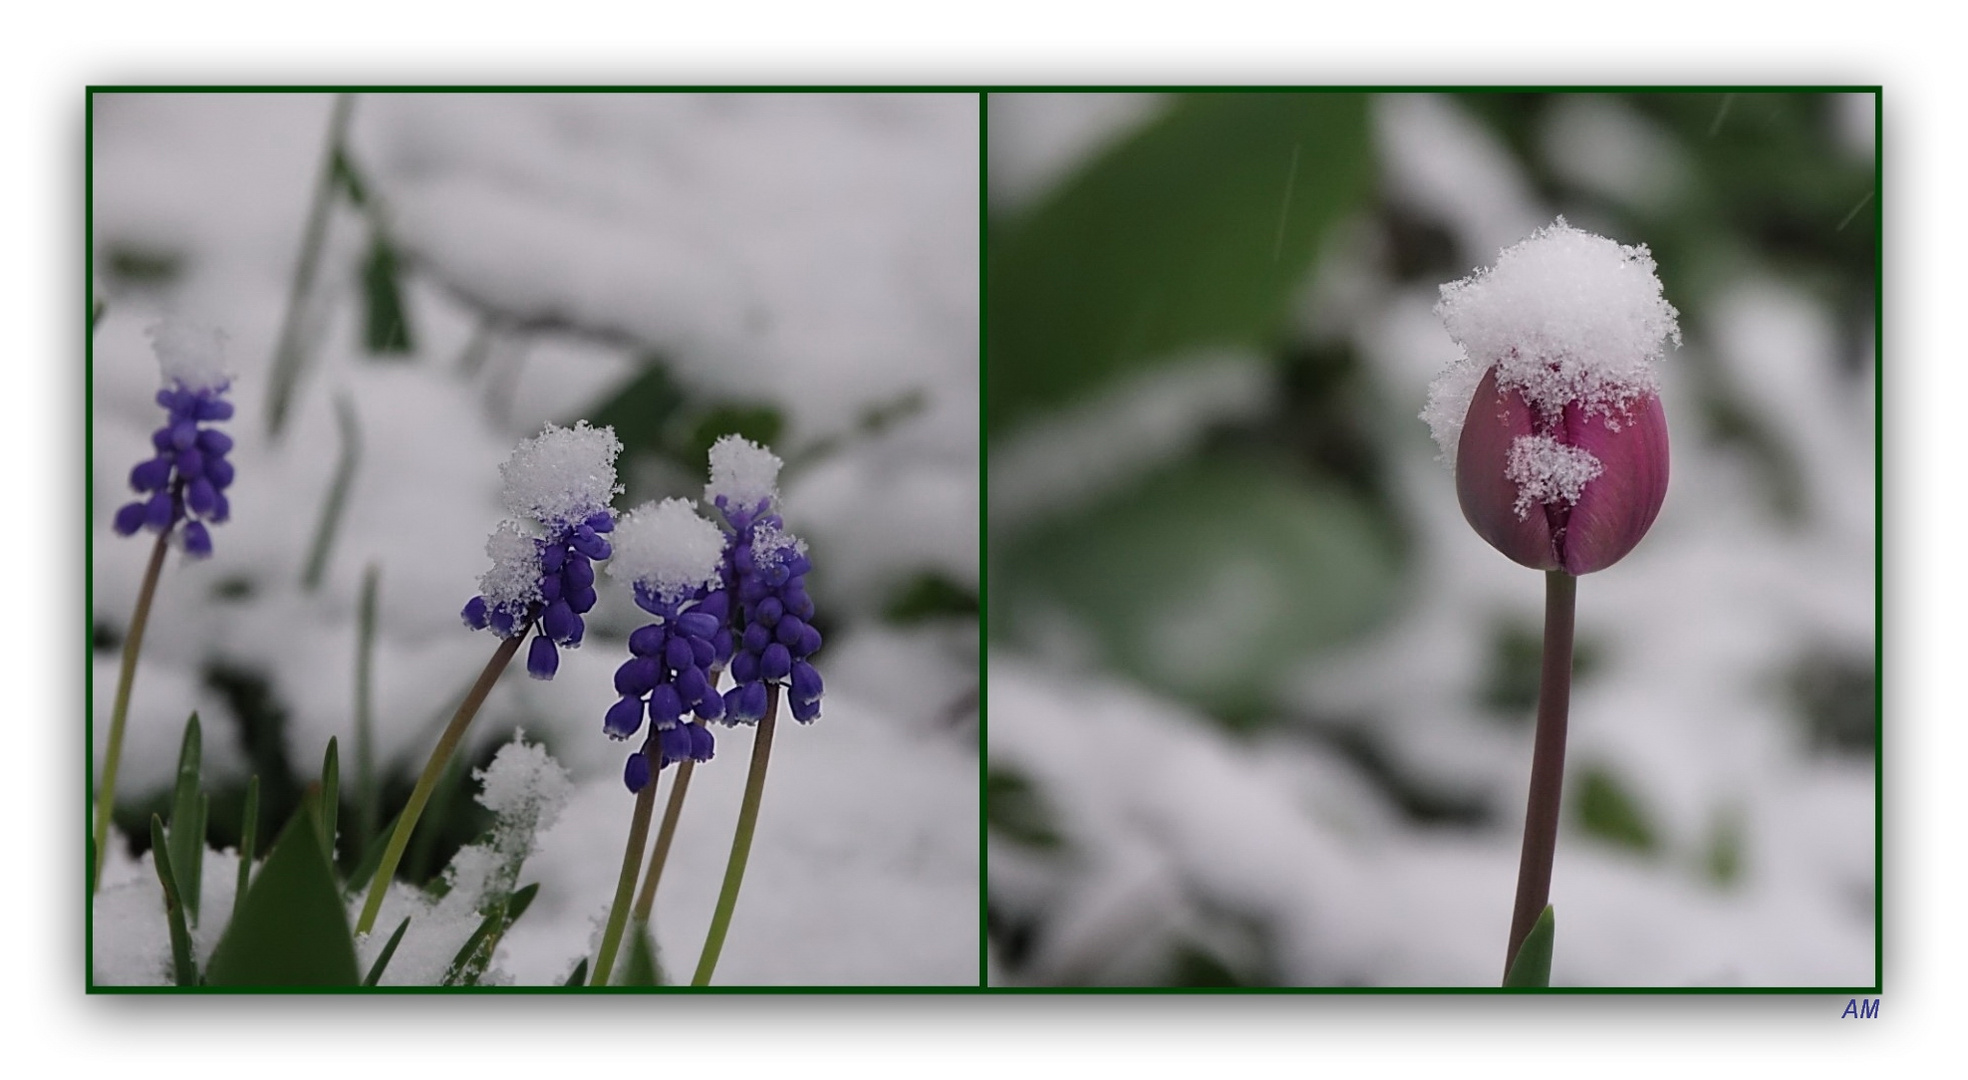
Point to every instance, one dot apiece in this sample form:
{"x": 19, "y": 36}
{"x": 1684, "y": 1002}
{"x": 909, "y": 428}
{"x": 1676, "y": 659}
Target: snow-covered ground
{"x": 815, "y": 253}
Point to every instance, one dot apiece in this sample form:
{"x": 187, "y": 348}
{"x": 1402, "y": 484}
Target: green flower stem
{"x": 666, "y": 833}
{"x": 741, "y": 842}
{"x": 618, "y": 912}
{"x": 447, "y": 743}
{"x": 120, "y": 711}
{"x": 1547, "y": 760}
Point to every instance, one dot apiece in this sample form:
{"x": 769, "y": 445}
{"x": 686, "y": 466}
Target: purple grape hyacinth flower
{"x": 187, "y": 479}
{"x": 671, "y": 556}
{"x": 765, "y": 569}
{"x": 558, "y": 486}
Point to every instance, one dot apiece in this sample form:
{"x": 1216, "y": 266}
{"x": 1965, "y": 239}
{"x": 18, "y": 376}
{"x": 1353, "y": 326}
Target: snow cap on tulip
{"x": 1551, "y": 415}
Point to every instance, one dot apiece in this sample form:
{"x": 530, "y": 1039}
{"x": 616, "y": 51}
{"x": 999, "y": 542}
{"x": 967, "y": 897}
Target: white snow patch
{"x": 1548, "y": 471}
{"x": 514, "y": 580}
{"x": 191, "y": 354}
{"x": 667, "y": 547}
{"x": 1565, "y": 317}
{"x": 562, "y": 475}
{"x": 742, "y": 472}
{"x": 770, "y": 545}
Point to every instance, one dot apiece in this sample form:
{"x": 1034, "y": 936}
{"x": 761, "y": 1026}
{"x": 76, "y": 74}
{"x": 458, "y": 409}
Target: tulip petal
{"x": 1619, "y": 505}
{"x": 1489, "y": 498}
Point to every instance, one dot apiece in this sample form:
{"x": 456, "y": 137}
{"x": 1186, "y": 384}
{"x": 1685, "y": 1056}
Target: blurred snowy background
{"x": 798, "y": 268}
{"x": 1260, "y": 701}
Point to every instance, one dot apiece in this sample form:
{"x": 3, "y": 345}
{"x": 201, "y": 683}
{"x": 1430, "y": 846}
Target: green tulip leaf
{"x": 1532, "y": 968}
{"x": 1207, "y": 580}
{"x": 1194, "y": 234}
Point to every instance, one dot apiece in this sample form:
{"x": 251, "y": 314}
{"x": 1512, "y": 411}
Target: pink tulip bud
{"x": 1552, "y": 417}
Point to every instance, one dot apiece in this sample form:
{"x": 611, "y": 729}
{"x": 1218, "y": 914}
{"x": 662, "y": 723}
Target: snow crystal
{"x": 667, "y": 547}
{"x": 524, "y": 785}
{"x": 770, "y": 545}
{"x": 514, "y": 580}
{"x": 563, "y": 474}
{"x": 743, "y": 472}
{"x": 1565, "y": 317}
{"x": 191, "y": 354}
{"x": 1547, "y": 471}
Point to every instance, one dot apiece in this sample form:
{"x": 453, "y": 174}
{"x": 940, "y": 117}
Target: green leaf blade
{"x": 1532, "y": 968}
{"x": 290, "y": 929}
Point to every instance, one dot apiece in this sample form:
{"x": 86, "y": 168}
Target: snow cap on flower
{"x": 1551, "y": 417}
{"x": 772, "y": 546}
{"x": 668, "y": 548}
{"x": 743, "y": 474}
{"x": 1566, "y": 318}
{"x": 190, "y": 354}
{"x": 513, "y": 582}
{"x": 562, "y": 475}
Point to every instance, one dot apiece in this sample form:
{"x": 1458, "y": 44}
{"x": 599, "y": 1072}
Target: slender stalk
{"x": 447, "y": 743}
{"x": 366, "y": 798}
{"x": 1547, "y": 760}
{"x": 120, "y": 710}
{"x": 741, "y": 842}
{"x": 664, "y": 834}
{"x": 287, "y": 353}
{"x": 618, "y": 912}
{"x": 336, "y": 500}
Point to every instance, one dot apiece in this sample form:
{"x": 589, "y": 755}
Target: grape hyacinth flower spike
{"x": 671, "y": 557}
{"x": 186, "y": 480}
{"x": 765, "y": 568}
{"x": 1552, "y": 421}
{"x": 183, "y": 487}
{"x": 774, "y": 639}
{"x": 557, "y": 487}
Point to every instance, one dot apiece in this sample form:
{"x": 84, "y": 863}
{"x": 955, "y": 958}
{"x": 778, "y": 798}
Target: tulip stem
{"x": 1547, "y": 760}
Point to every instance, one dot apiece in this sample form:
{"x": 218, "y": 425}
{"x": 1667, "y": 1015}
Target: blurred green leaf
{"x": 1724, "y": 858}
{"x": 759, "y": 423}
{"x": 641, "y": 969}
{"x": 1608, "y": 811}
{"x": 290, "y": 929}
{"x": 387, "y": 325}
{"x": 927, "y": 596}
{"x": 1532, "y": 967}
{"x": 1015, "y": 810}
{"x": 184, "y": 965}
{"x": 1208, "y": 579}
{"x": 188, "y": 808}
{"x": 135, "y": 265}
{"x": 1193, "y": 234}
{"x": 641, "y": 412}
{"x": 580, "y": 975}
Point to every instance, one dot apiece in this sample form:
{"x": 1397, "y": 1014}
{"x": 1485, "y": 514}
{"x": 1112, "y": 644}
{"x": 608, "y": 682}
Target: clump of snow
{"x": 191, "y": 354}
{"x": 524, "y": 786}
{"x": 743, "y": 472}
{"x": 1565, "y": 317}
{"x": 770, "y": 546}
{"x": 1548, "y": 471}
{"x": 562, "y": 475}
{"x": 514, "y": 580}
{"x": 527, "y": 790}
{"x": 667, "y": 547}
